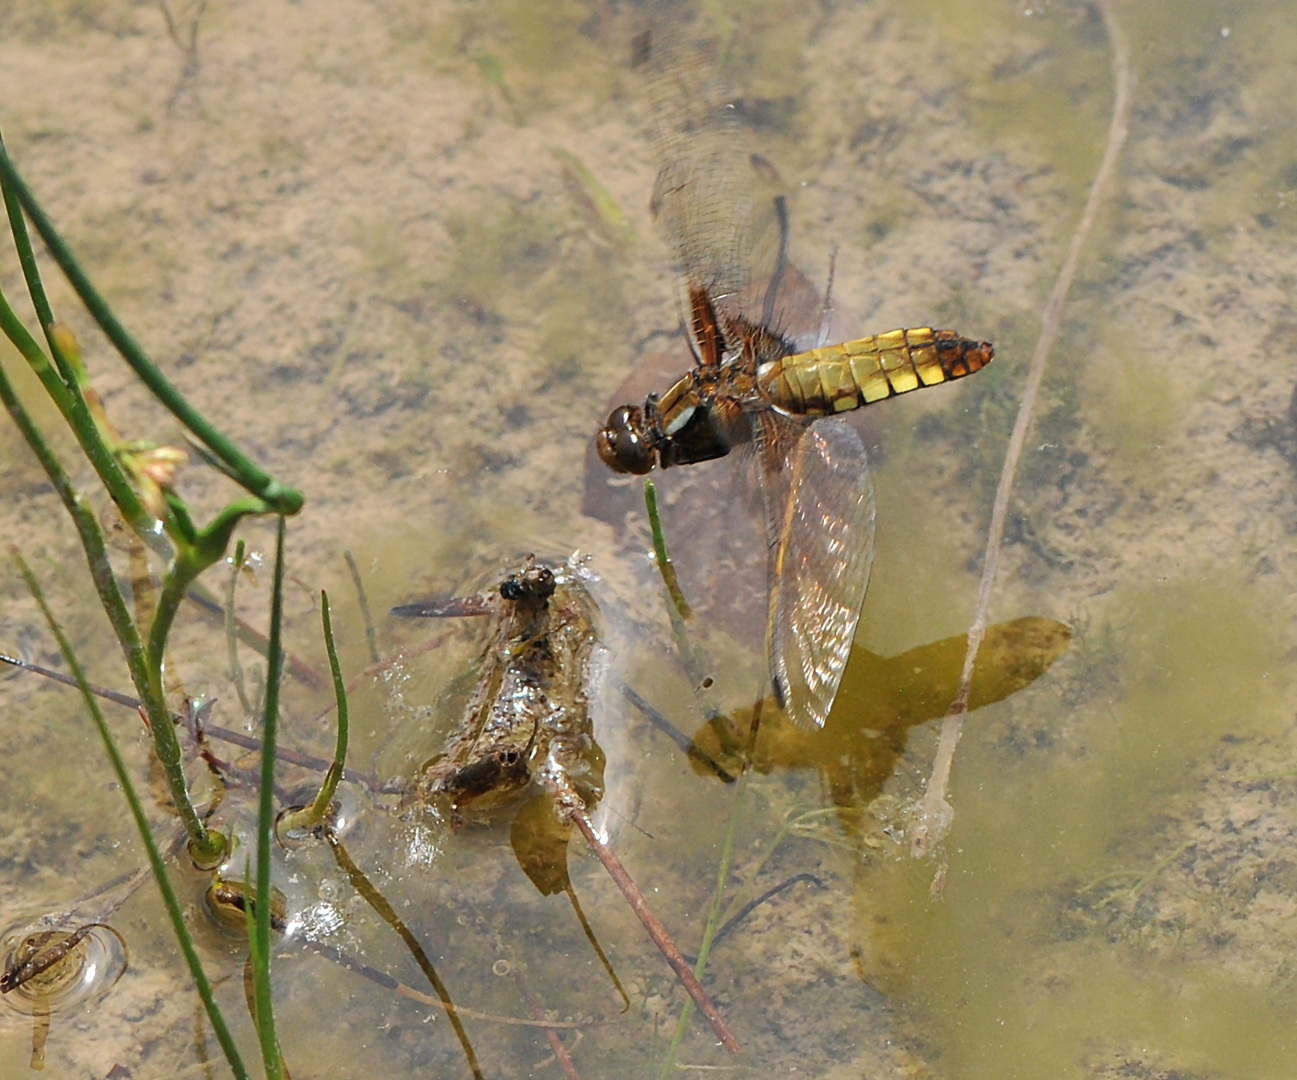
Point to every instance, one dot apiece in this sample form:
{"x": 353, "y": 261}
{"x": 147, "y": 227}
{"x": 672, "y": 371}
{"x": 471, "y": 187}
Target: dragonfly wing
{"x": 819, "y": 505}
{"x": 448, "y": 607}
{"x": 702, "y": 198}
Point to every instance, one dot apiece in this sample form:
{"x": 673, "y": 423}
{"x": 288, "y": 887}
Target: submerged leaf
{"x": 488, "y": 64}
{"x": 539, "y": 841}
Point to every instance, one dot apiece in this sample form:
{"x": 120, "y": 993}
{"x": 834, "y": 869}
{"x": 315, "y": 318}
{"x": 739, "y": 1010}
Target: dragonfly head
{"x": 624, "y": 443}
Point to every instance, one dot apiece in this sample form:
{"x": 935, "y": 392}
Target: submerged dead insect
{"x": 527, "y": 730}
{"x": 50, "y": 966}
{"x": 527, "y": 741}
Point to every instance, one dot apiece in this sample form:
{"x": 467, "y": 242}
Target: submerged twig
{"x": 368, "y": 781}
{"x": 387, "y": 982}
{"x": 933, "y": 814}
{"x": 655, "y": 929}
{"x": 561, "y": 1055}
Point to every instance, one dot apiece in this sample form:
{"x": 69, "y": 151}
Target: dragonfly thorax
{"x": 691, "y": 422}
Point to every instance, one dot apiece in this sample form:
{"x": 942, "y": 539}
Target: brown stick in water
{"x": 655, "y": 929}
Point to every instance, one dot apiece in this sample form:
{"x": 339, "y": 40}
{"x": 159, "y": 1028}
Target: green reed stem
{"x": 30, "y": 350}
{"x": 665, "y": 566}
{"x": 27, "y": 257}
{"x": 63, "y": 385}
{"x": 206, "y": 547}
{"x": 247, "y": 473}
{"x": 169, "y": 899}
{"x": 693, "y": 658}
{"x": 193, "y": 556}
{"x": 314, "y": 815}
{"x": 204, "y": 844}
{"x": 72, "y": 406}
{"x": 371, "y": 635}
{"x": 266, "y": 823}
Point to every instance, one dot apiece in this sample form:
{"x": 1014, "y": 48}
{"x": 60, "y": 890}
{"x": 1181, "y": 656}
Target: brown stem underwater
{"x": 655, "y": 929}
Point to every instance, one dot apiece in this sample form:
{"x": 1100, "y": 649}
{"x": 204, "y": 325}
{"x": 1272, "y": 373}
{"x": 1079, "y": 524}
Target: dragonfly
{"x": 752, "y": 389}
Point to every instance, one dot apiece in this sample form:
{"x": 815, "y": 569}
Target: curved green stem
{"x": 207, "y": 547}
{"x": 146, "y": 834}
{"x": 27, "y": 257}
{"x": 314, "y": 815}
{"x": 282, "y": 498}
{"x": 664, "y": 564}
{"x": 266, "y": 824}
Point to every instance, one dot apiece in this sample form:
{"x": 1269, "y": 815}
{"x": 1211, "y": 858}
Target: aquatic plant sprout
{"x": 316, "y": 815}
{"x": 174, "y": 912}
{"x": 140, "y": 479}
{"x": 665, "y": 567}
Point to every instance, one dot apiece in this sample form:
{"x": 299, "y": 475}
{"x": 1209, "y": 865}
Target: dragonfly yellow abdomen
{"x": 821, "y": 382}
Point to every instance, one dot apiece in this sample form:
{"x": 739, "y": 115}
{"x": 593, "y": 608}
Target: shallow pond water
{"x": 361, "y": 236}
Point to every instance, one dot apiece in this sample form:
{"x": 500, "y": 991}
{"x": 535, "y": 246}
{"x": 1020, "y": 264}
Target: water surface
{"x": 346, "y": 233}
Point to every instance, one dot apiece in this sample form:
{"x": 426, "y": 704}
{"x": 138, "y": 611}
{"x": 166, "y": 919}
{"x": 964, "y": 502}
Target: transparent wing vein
{"x": 820, "y": 522}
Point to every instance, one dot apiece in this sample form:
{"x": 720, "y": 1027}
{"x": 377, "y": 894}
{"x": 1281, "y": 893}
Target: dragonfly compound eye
{"x": 623, "y": 443}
